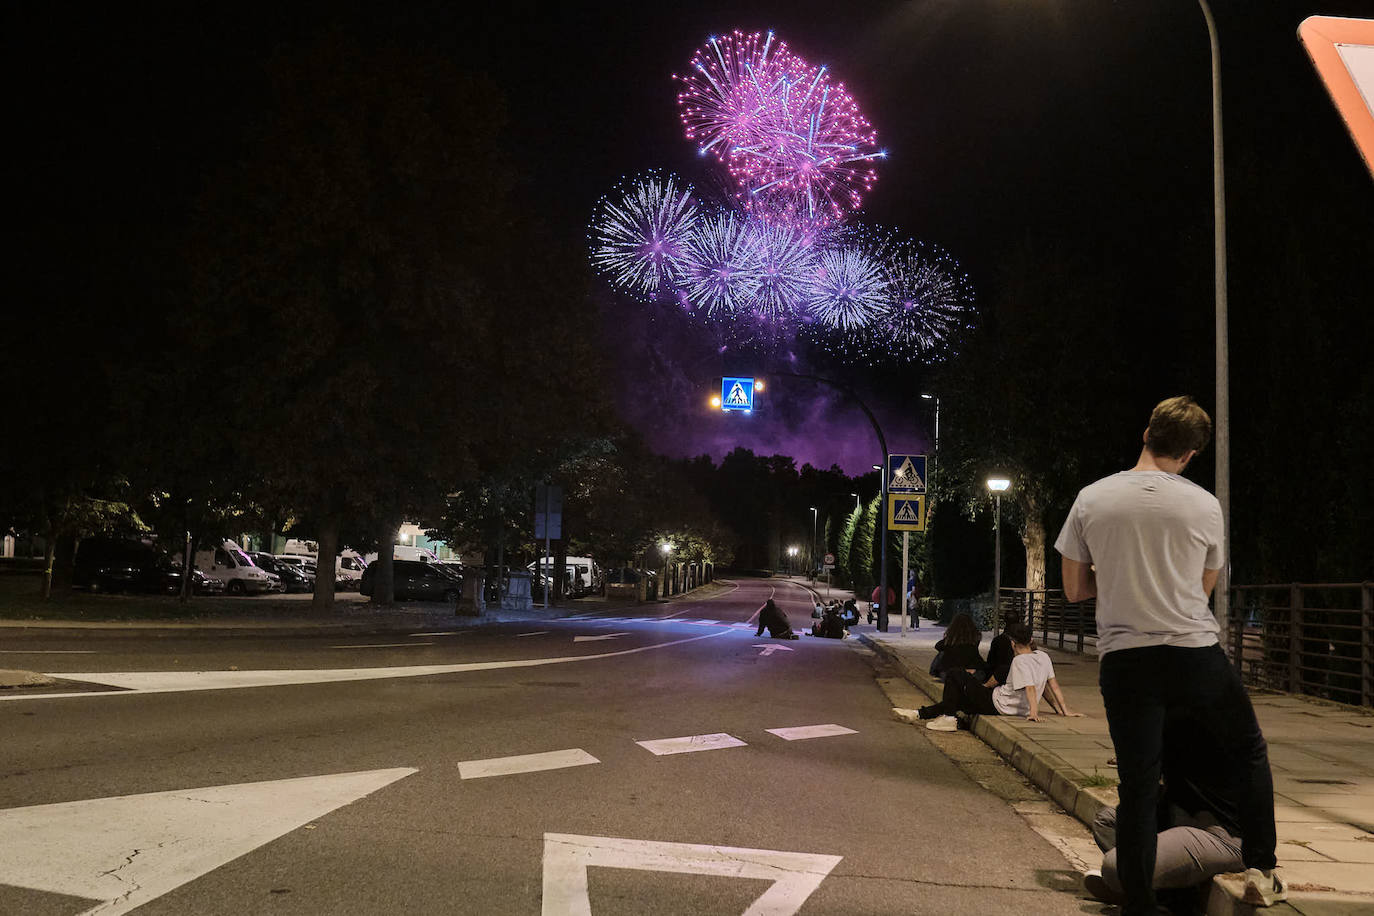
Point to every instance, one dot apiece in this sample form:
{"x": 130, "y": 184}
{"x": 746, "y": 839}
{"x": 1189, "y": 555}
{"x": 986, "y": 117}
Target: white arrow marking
{"x": 125, "y": 851}
{"x": 598, "y": 638}
{"x": 769, "y": 650}
{"x": 135, "y": 683}
{"x": 795, "y": 875}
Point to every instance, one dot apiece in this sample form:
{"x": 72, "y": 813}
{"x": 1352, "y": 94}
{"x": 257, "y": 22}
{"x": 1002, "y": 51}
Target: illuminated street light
{"x": 997, "y": 485}
{"x": 715, "y": 400}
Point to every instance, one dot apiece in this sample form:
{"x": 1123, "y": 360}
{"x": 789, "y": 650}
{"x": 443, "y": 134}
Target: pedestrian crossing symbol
{"x": 906, "y": 513}
{"x": 736, "y": 394}
{"x": 906, "y": 473}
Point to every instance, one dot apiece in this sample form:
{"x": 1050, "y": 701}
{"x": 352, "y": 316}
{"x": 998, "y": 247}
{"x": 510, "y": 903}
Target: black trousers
{"x": 964, "y": 692}
{"x": 1139, "y": 688}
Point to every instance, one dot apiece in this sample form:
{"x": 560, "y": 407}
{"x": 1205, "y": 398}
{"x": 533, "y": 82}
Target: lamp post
{"x": 792, "y": 560}
{"x": 997, "y": 485}
{"x": 815, "y": 524}
{"x": 666, "y": 549}
{"x": 936, "y": 399}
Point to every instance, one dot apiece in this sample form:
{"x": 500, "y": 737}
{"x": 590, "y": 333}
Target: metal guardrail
{"x": 1309, "y": 638}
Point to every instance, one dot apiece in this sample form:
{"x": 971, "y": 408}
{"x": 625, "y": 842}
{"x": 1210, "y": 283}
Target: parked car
{"x": 236, "y": 569}
{"x": 112, "y": 564}
{"x": 202, "y": 584}
{"x": 404, "y": 552}
{"x": 583, "y": 575}
{"x": 417, "y": 581}
{"x": 299, "y": 560}
{"x": 294, "y": 578}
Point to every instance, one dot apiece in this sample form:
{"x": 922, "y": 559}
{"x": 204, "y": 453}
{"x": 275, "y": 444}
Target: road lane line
{"x": 535, "y": 633}
{"x": 598, "y": 638}
{"x": 137, "y": 683}
{"x": 525, "y": 763}
{"x": 385, "y": 645}
{"x": 803, "y": 732}
{"x": 47, "y": 651}
{"x": 445, "y": 633}
{"x": 687, "y": 745}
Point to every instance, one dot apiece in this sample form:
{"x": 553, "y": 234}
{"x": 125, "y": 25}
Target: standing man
{"x": 1148, "y": 544}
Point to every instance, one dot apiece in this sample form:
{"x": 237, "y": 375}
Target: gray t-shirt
{"x": 1150, "y": 535}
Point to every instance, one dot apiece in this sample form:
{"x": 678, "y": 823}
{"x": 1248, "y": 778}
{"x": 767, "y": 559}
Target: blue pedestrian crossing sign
{"x": 906, "y": 513}
{"x": 906, "y": 473}
{"x": 736, "y": 393}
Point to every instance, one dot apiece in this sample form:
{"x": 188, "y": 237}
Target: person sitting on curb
{"x": 850, "y": 613}
{"x": 831, "y": 625}
{"x": 774, "y": 620}
{"x": 1031, "y": 674}
{"x": 958, "y": 648}
{"x": 1197, "y": 817}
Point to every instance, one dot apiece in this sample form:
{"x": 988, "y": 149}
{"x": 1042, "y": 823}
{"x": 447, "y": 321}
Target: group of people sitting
{"x": 1012, "y": 681}
{"x": 833, "y": 620}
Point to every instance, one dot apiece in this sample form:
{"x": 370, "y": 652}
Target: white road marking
{"x": 769, "y": 650}
{"x": 47, "y": 651}
{"x": 385, "y": 645}
{"x": 134, "y": 683}
{"x": 445, "y": 633}
{"x": 581, "y": 617}
{"x": 598, "y": 638}
{"x": 742, "y": 626}
{"x": 704, "y": 623}
{"x": 802, "y": 732}
{"x": 525, "y": 763}
{"x": 125, "y": 851}
{"x": 535, "y": 633}
{"x": 795, "y": 875}
{"x": 687, "y": 745}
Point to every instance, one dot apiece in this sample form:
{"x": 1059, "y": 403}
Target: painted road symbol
{"x": 769, "y": 650}
{"x": 795, "y": 875}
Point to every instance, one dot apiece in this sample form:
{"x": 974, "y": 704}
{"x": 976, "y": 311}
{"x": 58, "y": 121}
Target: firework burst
{"x": 640, "y": 233}
{"x": 929, "y": 303}
{"x": 721, "y": 271}
{"x": 847, "y": 290}
{"x": 786, "y": 268}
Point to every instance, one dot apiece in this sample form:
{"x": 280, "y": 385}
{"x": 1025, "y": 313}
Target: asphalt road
{"x": 397, "y": 795}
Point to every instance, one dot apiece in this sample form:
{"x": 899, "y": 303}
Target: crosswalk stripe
{"x": 690, "y": 743}
{"x": 525, "y": 763}
{"x": 802, "y": 732}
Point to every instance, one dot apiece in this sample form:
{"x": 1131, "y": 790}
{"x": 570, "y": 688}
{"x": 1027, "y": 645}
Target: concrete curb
{"x": 1061, "y": 781}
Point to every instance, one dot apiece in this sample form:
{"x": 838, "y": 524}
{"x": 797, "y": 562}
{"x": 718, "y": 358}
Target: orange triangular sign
{"x": 1343, "y": 52}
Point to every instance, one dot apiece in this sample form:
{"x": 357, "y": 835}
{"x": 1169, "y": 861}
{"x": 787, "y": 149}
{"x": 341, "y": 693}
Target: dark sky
{"x": 1084, "y": 123}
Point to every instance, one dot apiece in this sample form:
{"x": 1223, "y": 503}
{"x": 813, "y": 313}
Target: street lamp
{"x": 997, "y": 485}
{"x": 936, "y": 399}
{"x": 792, "y": 559}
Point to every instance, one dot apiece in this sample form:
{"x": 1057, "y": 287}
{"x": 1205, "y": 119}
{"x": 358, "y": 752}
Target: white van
{"x": 348, "y": 570}
{"x": 403, "y": 552}
{"x": 582, "y": 572}
{"x": 229, "y": 564}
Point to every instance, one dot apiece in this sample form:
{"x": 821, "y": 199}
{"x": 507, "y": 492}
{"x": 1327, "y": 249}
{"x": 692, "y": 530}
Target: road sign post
{"x": 737, "y": 393}
{"x": 548, "y": 524}
{"x": 905, "y": 511}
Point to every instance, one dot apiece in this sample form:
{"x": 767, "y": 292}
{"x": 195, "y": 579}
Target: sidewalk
{"x": 1322, "y": 756}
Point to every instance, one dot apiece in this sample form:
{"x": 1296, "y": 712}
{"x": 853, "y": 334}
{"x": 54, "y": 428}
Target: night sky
{"x": 1082, "y": 124}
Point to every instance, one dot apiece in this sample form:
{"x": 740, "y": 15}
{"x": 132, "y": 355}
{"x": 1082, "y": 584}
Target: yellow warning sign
{"x": 906, "y": 512}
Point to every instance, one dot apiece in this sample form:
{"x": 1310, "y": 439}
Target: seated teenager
{"x": 1030, "y": 679}
{"x": 831, "y": 625}
{"x": 1000, "y": 652}
{"x": 850, "y": 613}
{"x": 958, "y": 649}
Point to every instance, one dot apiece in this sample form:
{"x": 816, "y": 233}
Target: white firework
{"x": 721, "y": 271}
{"x": 847, "y": 290}
{"x": 639, "y": 235}
{"x": 787, "y": 267}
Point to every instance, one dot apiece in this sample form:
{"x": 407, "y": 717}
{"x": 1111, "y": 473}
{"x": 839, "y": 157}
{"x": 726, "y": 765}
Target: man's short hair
{"x": 1178, "y": 426}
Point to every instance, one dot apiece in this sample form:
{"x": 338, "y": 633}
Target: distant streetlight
{"x": 666, "y": 548}
{"x": 856, "y": 501}
{"x": 792, "y": 559}
{"x": 997, "y": 485}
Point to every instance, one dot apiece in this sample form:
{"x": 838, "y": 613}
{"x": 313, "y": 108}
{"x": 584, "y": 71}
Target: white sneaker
{"x": 1097, "y": 886}
{"x": 943, "y": 724}
{"x": 1263, "y": 888}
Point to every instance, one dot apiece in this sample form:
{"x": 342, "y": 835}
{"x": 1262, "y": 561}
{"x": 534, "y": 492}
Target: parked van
{"x": 403, "y": 552}
{"x": 348, "y": 570}
{"x": 229, "y": 564}
{"x": 584, "y": 576}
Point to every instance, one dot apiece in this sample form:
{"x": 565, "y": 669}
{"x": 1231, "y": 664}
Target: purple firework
{"x": 721, "y": 272}
{"x": 929, "y": 303}
{"x": 797, "y": 145}
{"x": 640, "y": 233}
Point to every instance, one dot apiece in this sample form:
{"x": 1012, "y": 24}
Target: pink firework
{"x": 795, "y": 142}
